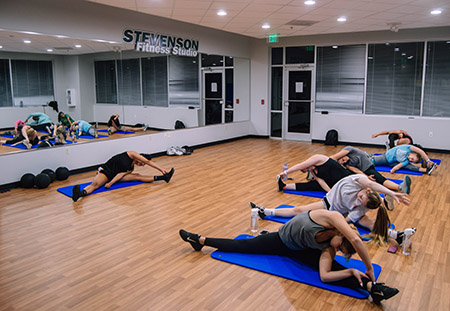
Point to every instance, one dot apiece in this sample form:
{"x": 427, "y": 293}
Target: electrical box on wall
{"x": 70, "y": 98}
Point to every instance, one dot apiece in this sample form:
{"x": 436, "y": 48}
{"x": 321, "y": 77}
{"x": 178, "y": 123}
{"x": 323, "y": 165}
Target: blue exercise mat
{"x": 91, "y": 137}
{"x": 22, "y": 146}
{"x": 68, "y": 189}
{"x": 7, "y": 136}
{"x": 362, "y": 230}
{"x": 116, "y": 132}
{"x": 321, "y": 194}
{"x": 387, "y": 169}
{"x": 294, "y": 269}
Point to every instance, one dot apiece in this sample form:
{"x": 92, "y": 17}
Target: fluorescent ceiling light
{"x": 342, "y": 19}
{"x": 77, "y": 46}
{"x": 49, "y": 50}
{"x": 221, "y": 13}
{"x": 334, "y": 46}
{"x": 265, "y": 26}
{"x": 26, "y": 41}
{"x": 310, "y": 2}
{"x": 1, "y": 46}
{"x": 436, "y": 12}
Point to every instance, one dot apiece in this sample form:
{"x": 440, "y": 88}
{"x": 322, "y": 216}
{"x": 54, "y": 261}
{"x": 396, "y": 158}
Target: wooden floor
{"x": 120, "y": 250}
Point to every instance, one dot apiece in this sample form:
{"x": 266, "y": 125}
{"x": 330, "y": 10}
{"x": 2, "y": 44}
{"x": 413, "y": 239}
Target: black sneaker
{"x": 380, "y": 292}
{"x": 168, "y": 175}
{"x": 431, "y": 168}
{"x": 76, "y": 193}
{"x": 280, "y": 183}
{"x": 192, "y": 238}
{"x": 261, "y": 213}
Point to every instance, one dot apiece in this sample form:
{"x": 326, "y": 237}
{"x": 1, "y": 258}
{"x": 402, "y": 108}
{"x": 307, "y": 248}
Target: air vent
{"x": 64, "y": 48}
{"x": 297, "y": 22}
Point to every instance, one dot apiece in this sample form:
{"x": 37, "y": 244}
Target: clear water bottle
{"x": 407, "y": 243}
{"x": 285, "y": 168}
{"x": 254, "y": 221}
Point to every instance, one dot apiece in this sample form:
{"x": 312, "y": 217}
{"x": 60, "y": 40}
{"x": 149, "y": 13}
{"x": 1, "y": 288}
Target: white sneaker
{"x": 179, "y": 151}
{"x": 171, "y": 151}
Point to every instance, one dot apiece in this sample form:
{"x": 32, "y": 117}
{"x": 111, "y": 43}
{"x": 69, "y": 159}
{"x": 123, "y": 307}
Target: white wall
{"x": 351, "y": 128}
{"x": 76, "y": 156}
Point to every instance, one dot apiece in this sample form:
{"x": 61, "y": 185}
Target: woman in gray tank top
{"x": 322, "y": 230}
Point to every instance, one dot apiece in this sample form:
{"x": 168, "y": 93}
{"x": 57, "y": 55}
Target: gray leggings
{"x": 91, "y": 131}
{"x": 381, "y": 160}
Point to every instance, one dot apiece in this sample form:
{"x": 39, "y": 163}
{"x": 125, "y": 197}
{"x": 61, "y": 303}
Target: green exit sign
{"x": 272, "y": 38}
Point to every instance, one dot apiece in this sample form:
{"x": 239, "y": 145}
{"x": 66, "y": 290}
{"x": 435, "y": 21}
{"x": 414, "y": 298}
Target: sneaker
{"x": 77, "y": 135}
{"x": 280, "y": 183}
{"x": 389, "y": 202}
{"x": 168, "y": 175}
{"x": 27, "y": 144}
{"x": 48, "y": 130}
{"x": 405, "y": 186}
{"x": 431, "y": 168}
{"x": 409, "y": 232}
{"x": 261, "y": 213}
{"x": 178, "y": 151}
{"x": 171, "y": 151}
{"x": 380, "y": 292}
{"x": 96, "y": 134}
{"x": 76, "y": 193}
{"x": 145, "y": 127}
{"x": 192, "y": 238}
{"x": 109, "y": 131}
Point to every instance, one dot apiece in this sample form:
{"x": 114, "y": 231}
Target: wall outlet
{"x": 430, "y": 134}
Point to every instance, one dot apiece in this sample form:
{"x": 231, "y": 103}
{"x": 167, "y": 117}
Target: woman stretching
{"x": 401, "y": 136}
{"x": 326, "y": 172}
{"x": 353, "y": 196}
{"x": 358, "y": 162}
{"x": 114, "y": 126}
{"x": 321, "y": 230}
{"x": 120, "y": 168}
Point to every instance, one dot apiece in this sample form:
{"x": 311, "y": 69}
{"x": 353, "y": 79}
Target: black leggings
{"x": 378, "y": 177}
{"x": 271, "y": 244}
{"x": 19, "y": 138}
{"x": 309, "y": 186}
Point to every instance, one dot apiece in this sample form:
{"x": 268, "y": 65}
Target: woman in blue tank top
{"x": 322, "y": 230}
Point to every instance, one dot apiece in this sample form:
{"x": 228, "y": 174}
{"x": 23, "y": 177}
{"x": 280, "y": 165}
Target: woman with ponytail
{"x": 353, "y": 196}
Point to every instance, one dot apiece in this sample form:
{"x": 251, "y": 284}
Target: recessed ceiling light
{"x": 26, "y": 41}
{"x": 60, "y": 36}
{"x": 436, "y": 12}
{"x": 1, "y": 46}
{"x": 77, "y": 46}
{"x": 49, "y": 50}
{"x": 334, "y": 46}
{"x": 310, "y": 2}
{"x": 342, "y": 19}
{"x": 221, "y": 13}
{"x": 265, "y": 26}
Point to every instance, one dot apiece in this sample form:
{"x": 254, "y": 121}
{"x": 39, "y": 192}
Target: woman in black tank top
{"x": 325, "y": 171}
{"x": 120, "y": 168}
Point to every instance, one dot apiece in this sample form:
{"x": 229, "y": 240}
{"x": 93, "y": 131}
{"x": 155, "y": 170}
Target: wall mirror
{"x": 93, "y": 79}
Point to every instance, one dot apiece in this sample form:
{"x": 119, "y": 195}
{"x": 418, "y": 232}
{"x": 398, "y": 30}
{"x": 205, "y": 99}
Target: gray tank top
{"x": 299, "y": 233}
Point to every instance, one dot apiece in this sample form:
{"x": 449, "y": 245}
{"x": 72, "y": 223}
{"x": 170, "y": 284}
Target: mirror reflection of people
{"x": 322, "y": 230}
{"x": 26, "y": 135}
{"x": 81, "y": 127}
{"x": 114, "y": 126}
{"x": 120, "y": 168}
{"x": 39, "y": 121}
{"x": 65, "y": 119}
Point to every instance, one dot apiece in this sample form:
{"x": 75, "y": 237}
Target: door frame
{"x": 222, "y": 100}
{"x": 285, "y": 110}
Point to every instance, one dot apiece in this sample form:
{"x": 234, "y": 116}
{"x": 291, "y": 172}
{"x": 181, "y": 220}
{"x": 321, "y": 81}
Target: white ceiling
{"x": 246, "y": 17}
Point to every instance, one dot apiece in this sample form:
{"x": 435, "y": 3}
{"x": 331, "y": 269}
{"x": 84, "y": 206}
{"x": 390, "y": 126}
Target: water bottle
{"x": 254, "y": 221}
{"x": 21, "y": 103}
{"x": 285, "y": 168}
{"x": 407, "y": 243}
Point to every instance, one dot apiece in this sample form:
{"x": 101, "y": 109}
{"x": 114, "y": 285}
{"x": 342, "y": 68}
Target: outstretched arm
{"x": 422, "y": 153}
{"x": 316, "y": 159}
{"x": 327, "y": 275}
{"x": 340, "y": 154}
{"x": 136, "y": 156}
{"x": 336, "y": 220}
{"x": 116, "y": 179}
{"x": 399, "y": 197}
{"x": 387, "y": 133}
{"x": 321, "y": 182}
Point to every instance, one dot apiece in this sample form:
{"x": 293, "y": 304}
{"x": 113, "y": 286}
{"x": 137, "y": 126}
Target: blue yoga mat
{"x": 362, "y": 230}
{"x": 116, "y": 132}
{"x": 294, "y": 269}
{"x": 91, "y": 137}
{"x": 7, "y": 136}
{"x": 68, "y": 189}
{"x": 321, "y": 194}
{"x": 22, "y": 146}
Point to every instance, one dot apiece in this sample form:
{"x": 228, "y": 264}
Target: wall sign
{"x": 151, "y": 42}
